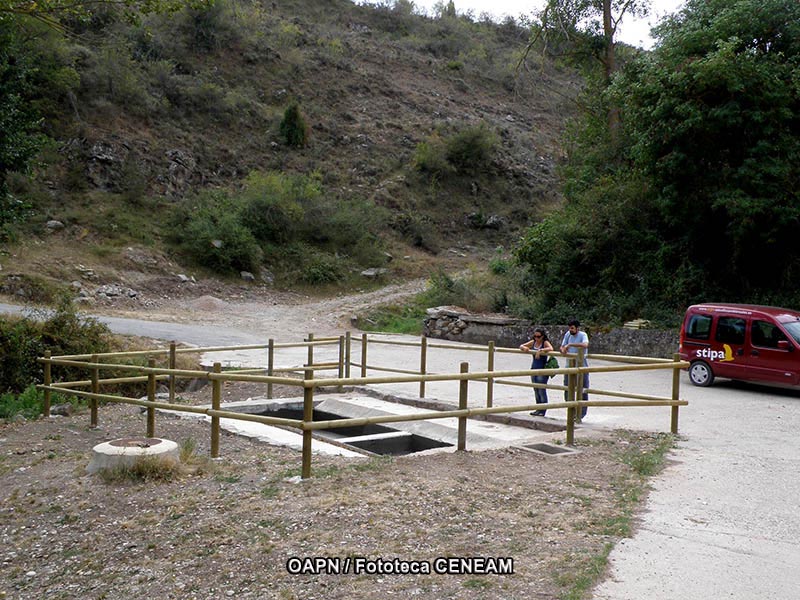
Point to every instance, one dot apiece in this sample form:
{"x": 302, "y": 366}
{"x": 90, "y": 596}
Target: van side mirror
{"x": 785, "y": 345}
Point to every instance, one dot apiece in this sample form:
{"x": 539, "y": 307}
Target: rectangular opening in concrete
{"x": 377, "y": 439}
{"x": 549, "y": 449}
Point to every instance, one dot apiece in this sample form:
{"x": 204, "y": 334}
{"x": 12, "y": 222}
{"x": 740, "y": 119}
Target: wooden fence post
{"x": 463, "y": 391}
{"x": 151, "y": 397}
{"x": 48, "y": 379}
{"x": 308, "y": 417}
{"x": 95, "y": 390}
{"x": 340, "y": 371}
{"x": 363, "y": 355}
{"x": 490, "y": 380}
{"x": 347, "y": 349}
{"x": 579, "y": 385}
{"x": 270, "y": 365}
{"x": 676, "y": 390}
{"x": 423, "y": 363}
{"x": 571, "y": 398}
{"x": 216, "y": 396}
{"x": 310, "y": 349}
{"x": 173, "y": 362}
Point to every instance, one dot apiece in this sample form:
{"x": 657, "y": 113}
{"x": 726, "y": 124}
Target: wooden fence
{"x": 169, "y": 373}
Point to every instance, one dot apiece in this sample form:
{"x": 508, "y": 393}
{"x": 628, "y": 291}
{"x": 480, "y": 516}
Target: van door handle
{"x": 740, "y": 352}
{"x": 754, "y": 353}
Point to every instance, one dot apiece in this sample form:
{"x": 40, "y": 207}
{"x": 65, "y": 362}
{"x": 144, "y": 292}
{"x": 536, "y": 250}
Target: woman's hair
{"x": 543, "y": 332}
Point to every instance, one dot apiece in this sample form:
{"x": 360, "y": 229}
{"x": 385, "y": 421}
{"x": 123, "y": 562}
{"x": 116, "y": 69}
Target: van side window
{"x": 730, "y": 330}
{"x": 699, "y": 327}
{"x": 766, "y": 334}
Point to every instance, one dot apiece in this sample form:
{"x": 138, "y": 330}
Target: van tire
{"x": 700, "y": 374}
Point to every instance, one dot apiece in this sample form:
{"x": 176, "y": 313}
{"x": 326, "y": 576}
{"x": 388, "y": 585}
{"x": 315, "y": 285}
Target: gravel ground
{"x": 231, "y": 527}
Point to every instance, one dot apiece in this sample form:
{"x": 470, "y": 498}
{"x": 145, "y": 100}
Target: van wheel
{"x": 701, "y": 374}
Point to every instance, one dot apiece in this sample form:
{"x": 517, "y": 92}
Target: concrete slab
{"x": 481, "y": 435}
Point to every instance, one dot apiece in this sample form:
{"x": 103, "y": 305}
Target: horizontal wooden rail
{"x": 203, "y": 350}
{"x": 480, "y": 375}
{"x": 112, "y": 381}
{"x": 264, "y": 420}
{"x": 387, "y": 369}
{"x": 124, "y": 400}
{"x": 387, "y": 342}
{"x": 179, "y": 372}
{"x": 470, "y": 347}
{"x": 549, "y": 386}
{"x": 181, "y": 408}
{"x": 472, "y": 412}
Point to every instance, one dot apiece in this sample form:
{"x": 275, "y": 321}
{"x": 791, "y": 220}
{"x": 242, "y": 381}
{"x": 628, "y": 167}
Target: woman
{"x": 541, "y": 347}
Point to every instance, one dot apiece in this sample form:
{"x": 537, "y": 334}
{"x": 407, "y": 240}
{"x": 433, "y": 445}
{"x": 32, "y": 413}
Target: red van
{"x": 741, "y": 341}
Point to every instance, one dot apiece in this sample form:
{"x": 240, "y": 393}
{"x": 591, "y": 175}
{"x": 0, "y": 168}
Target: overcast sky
{"x": 630, "y": 31}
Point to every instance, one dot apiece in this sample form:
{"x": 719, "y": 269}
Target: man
{"x": 573, "y": 340}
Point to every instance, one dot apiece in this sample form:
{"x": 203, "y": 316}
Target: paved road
{"x": 722, "y": 521}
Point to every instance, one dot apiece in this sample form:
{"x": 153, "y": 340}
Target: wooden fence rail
{"x": 342, "y": 365}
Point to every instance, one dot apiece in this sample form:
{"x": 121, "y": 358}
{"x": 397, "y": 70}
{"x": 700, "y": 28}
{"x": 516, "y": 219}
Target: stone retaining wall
{"x": 456, "y": 324}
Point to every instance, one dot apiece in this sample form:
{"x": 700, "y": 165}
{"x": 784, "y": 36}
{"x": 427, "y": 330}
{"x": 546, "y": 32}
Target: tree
{"x": 701, "y": 198}
{"x": 293, "y": 127}
{"x": 714, "y": 122}
{"x": 585, "y": 29}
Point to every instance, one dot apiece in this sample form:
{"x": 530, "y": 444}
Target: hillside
{"x": 194, "y": 101}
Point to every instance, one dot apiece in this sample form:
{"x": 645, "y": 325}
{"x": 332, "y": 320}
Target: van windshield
{"x": 793, "y": 327}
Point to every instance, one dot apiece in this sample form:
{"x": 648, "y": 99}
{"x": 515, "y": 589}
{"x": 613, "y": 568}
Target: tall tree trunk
{"x": 610, "y": 65}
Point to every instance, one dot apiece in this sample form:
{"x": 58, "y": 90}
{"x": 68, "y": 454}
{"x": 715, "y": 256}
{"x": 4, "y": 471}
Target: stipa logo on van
{"x": 718, "y": 355}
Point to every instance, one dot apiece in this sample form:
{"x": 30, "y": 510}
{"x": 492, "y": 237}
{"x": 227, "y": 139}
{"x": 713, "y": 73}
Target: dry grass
{"x": 228, "y": 527}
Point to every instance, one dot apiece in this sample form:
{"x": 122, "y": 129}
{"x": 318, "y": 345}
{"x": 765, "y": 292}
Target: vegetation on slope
{"x": 419, "y": 123}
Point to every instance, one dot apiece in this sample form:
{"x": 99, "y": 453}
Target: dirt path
{"x": 270, "y": 313}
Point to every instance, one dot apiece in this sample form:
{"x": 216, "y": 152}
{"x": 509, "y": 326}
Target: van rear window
{"x": 699, "y": 327}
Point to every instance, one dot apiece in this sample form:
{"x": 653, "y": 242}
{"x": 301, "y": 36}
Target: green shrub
{"x": 213, "y": 26}
{"x": 20, "y": 345}
{"x": 322, "y": 268}
{"x": 466, "y": 151}
{"x": 273, "y": 205}
{"x": 29, "y": 404}
{"x": 294, "y": 129}
{"x": 430, "y": 157}
{"x": 111, "y": 74}
{"x": 471, "y": 149}
{"x": 64, "y": 331}
{"x": 345, "y": 227}
{"x": 416, "y": 230}
{"x": 286, "y": 218}
{"x": 211, "y": 232}
{"x": 499, "y": 266}
{"x": 34, "y": 288}
{"x": 405, "y": 319}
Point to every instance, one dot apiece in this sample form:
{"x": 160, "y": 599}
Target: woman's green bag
{"x": 552, "y": 363}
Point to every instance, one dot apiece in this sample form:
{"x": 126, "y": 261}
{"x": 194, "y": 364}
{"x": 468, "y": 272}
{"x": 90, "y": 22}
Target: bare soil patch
{"x": 228, "y": 528}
